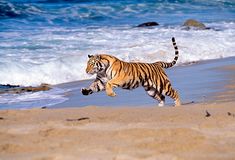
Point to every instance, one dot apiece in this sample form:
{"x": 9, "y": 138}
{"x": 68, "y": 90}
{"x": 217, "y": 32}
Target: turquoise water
{"x": 77, "y": 13}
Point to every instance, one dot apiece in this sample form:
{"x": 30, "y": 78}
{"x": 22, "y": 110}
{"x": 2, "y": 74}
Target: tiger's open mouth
{"x": 90, "y": 72}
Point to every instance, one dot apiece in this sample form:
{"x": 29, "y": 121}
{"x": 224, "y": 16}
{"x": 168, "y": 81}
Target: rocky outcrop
{"x": 4, "y": 86}
{"x": 19, "y": 89}
{"x": 148, "y": 24}
{"x": 194, "y": 24}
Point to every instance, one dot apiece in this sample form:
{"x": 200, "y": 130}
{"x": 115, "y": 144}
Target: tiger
{"x": 112, "y": 72}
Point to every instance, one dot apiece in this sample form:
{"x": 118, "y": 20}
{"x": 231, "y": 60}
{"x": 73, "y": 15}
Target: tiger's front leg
{"x": 86, "y": 91}
{"x": 109, "y": 89}
{"x": 96, "y": 86}
{"x": 110, "y": 84}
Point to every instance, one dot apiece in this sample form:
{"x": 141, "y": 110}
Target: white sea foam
{"x": 29, "y": 100}
{"x": 59, "y": 55}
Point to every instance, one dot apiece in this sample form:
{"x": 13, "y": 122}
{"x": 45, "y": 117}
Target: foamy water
{"x": 29, "y": 100}
{"x": 58, "y": 55}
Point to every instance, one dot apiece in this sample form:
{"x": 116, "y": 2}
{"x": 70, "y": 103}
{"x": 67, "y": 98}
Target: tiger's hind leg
{"x": 156, "y": 95}
{"x": 162, "y": 101}
{"x": 173, "y": 94}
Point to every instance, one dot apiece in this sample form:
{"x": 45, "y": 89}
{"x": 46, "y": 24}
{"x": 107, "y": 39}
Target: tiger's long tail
{"x": 166, "y": 64}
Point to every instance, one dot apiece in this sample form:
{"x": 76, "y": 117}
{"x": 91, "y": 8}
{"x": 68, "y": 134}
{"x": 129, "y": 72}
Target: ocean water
{"x": 47, "y": 41}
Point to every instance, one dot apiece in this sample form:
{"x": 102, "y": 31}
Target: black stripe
{"x": 119, "y": 69}
{"x": 115, "y": 84}
{"x": 136, "y": 68}
{"x": 168, "y": 93}
{"x": 143, "y": 70}
{"x": 161, "y": 87}
{"x": 98, "y": 88}
{"x": 133, "y": 70}
{"x": 162, "y": 97}
{"x": 124, "y": 85}
{"x": 148, "y": 71}
{"x": 128, "y": 86}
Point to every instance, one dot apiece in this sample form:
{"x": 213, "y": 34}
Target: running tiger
{"x": 112, "y": 72}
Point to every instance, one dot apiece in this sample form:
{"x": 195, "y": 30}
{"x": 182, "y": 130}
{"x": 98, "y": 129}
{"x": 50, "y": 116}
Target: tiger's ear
{"x": 89, "y": 56}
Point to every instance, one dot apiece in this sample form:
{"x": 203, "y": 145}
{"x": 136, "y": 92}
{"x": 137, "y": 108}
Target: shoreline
{"x": 202, "y": 130}
{"x": 207, "y": 80}
{"x": 201, "y": 82}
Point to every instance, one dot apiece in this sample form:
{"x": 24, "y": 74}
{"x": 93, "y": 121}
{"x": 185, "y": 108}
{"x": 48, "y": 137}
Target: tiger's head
{"x": 95, "y": 64}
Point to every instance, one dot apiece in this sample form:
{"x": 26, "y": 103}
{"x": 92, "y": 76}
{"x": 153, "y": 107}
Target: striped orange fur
{"x": 112, "y": 72}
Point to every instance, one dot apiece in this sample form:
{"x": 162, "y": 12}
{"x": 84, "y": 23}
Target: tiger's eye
{"x": 92, "y": 62}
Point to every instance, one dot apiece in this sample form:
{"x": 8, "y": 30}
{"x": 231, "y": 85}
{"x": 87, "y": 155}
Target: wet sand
{"x": 201, "y": 82}
{"x": 203, "y": 130}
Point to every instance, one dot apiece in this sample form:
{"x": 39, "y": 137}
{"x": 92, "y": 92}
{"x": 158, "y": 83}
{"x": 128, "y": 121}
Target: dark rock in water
{"x": 19, "y": 89}
{"x": 148, "y": 24}
{"x": 11, "y": 10}
{"x": 193, "y": 24}
{"x": 8, "y": 86}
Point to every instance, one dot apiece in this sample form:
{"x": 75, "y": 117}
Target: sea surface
{"x": 47, "y": 41}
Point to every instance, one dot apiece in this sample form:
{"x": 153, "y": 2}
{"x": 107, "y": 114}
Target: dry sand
{"x": 186, "y": 132}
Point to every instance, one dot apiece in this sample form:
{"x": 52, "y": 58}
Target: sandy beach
{"x": 203, "y": 130}
{"x": 119, "y": 133}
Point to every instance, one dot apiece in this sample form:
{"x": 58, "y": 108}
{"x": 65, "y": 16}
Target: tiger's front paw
{"x": 112, "y": 94}
{"x": 86, "y": 91}
{"x": 177, "y": 103}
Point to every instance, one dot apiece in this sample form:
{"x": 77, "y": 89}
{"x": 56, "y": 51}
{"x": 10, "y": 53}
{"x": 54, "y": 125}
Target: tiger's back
{"x": 133, "y": 74}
